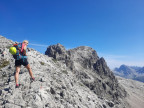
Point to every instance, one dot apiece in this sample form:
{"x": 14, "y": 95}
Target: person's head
{"x": 25, "y": 42}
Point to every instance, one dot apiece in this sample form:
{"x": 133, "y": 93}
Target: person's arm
{"x": 25, "y": 47}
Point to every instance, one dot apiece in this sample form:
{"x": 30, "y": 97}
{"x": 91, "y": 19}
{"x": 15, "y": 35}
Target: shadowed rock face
{"x": 91, "y": 70}
{"x": 75, "y": 78}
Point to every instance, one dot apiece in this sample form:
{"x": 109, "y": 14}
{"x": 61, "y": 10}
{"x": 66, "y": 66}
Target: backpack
{"x": 20, "y": 52}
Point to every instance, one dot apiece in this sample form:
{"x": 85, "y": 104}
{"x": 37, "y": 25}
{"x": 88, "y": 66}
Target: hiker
{"x": 21, "y": 59}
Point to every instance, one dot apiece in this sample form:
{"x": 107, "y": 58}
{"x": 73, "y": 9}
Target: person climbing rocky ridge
{"x": 75, "y": 78}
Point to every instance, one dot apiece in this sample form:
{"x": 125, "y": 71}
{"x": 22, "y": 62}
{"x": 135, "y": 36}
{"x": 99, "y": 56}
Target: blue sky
{"x": 114, "y": 28}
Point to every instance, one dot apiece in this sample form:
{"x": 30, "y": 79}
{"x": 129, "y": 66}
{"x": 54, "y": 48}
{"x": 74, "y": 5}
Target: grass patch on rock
{"x": 42, "y": 63}
{"x": 4, "y": 64}
{"x": 65, "y": 72}
{"x": 54, "y": 60}
{"x": 8, "y": 47}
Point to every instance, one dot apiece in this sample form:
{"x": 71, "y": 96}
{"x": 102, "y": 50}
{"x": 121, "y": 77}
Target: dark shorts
{"x": 21, "y": 62}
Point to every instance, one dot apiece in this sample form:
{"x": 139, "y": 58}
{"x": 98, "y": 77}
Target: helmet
{"x": 12, "y": 50}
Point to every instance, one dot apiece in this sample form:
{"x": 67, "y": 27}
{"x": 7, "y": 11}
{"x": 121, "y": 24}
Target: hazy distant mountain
{"x": 141, "y": 70}
{"x": 135, "y": 68}
{"x": 125, "y": 71}
{"x": 130, "y": 72}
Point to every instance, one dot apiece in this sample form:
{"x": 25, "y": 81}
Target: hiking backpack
{"x": 20, "y": 51}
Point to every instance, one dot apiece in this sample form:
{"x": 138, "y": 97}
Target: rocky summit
{"x": 75, "y": 78}
{"x": 90, "y": 70}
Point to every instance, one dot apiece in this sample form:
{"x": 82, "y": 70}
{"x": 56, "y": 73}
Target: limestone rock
{"x": 75, "y": 78}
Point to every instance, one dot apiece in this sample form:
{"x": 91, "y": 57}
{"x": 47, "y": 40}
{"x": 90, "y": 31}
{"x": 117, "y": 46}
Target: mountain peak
{"x": 85, "y": 62}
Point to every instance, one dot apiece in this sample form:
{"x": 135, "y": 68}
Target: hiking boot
{"x": 17, "y": 86}
{"x": 32, "y": 79}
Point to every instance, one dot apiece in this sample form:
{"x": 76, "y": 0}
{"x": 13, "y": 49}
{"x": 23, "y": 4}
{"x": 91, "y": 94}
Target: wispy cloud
{"x": 41, "y": 45}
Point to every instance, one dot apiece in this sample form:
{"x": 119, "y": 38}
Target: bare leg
{"x": 30, "y": 71}
{"x": 17, "y": 73}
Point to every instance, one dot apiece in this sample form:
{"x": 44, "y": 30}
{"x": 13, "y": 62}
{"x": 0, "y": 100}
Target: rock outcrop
{"x": 91, "y": 70}
{"x": 75, "y": 78}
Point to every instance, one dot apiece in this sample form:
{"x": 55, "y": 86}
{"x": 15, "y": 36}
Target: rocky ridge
{"x": 75, "y": 78}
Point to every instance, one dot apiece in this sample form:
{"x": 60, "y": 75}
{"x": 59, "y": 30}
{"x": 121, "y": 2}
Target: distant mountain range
{"x": 130, "y": 72}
